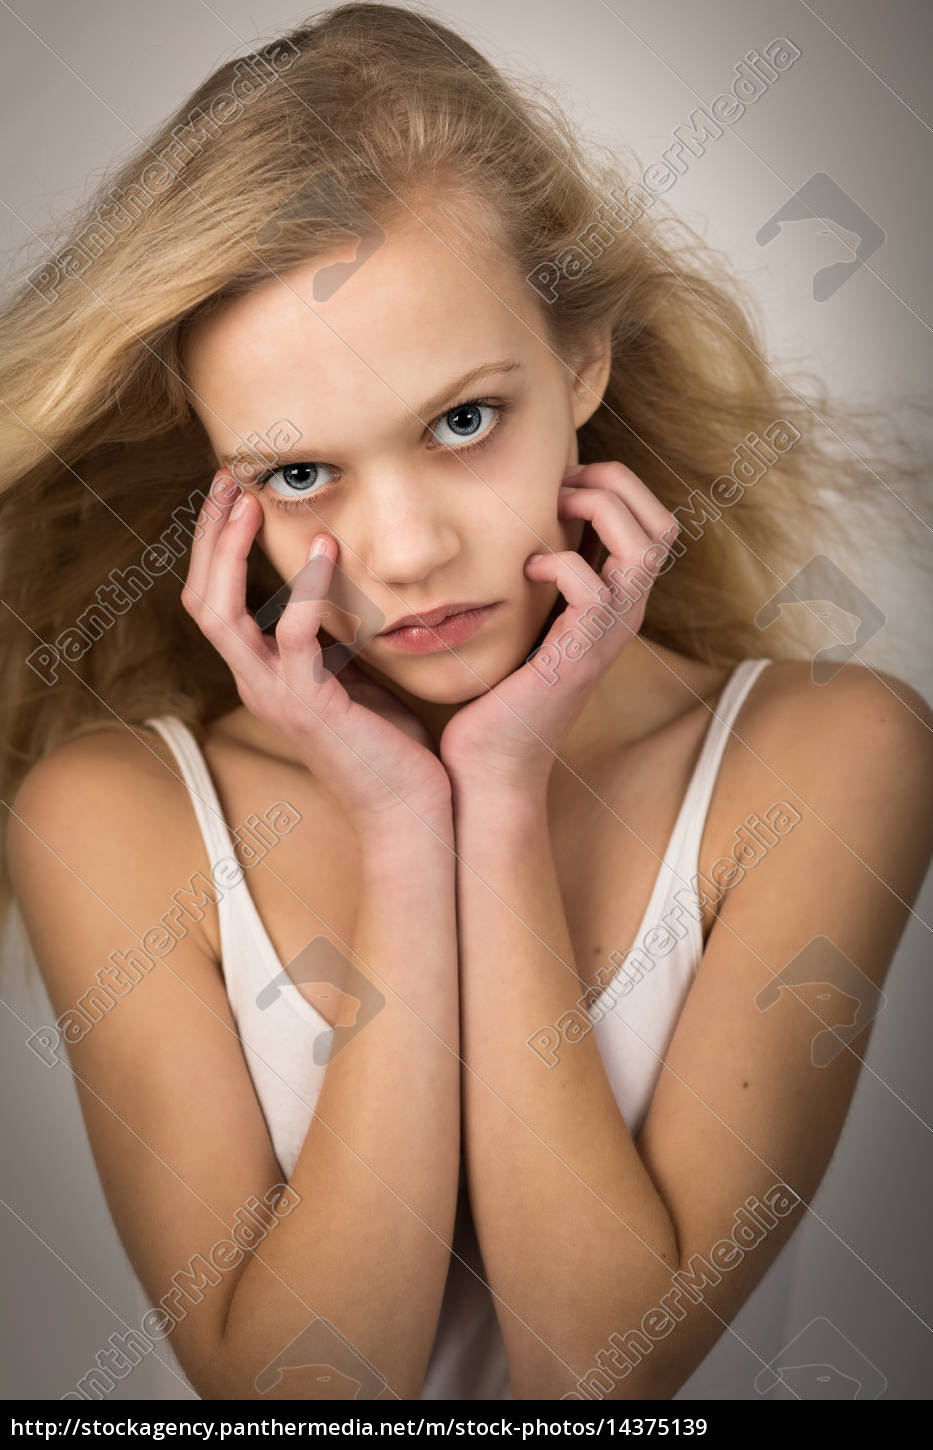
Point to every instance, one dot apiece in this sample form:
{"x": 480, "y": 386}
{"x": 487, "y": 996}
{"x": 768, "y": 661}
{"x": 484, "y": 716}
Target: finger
{"x": 218, "y": 606}
{"x": 578, "y": 583}
{"x": 224, "y": 617}
{"x": 214, "y": 513}
{"x": 297, "y": 631}
{"x": 589, "y": 598}
{"x": 647, "y": 509}
{"x": 225, "y": 588}
{"x": 612, "y": 520}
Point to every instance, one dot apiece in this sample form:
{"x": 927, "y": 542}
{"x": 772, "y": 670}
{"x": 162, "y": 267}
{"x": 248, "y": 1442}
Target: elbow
{"x": 219, "y": 1372}
{"x": 315, "y": 1365}
{"x": 659, "y": 1378}
{"x": 625, "y": 1349}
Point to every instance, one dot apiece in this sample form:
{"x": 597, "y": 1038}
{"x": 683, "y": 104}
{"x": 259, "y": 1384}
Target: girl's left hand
{"x": 510, "y": 735}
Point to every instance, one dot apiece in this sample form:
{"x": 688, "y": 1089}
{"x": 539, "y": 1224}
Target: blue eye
{"x": 294, "y": 484}
{"x": 466, "y": 425}
{"x": 298, "y": 480}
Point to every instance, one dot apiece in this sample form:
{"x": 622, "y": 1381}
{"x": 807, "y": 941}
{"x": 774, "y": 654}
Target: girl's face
{"x": 425, "y": 514}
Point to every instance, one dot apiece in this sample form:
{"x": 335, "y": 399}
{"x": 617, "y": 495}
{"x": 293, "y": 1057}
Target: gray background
{"x": 78, "y": 82}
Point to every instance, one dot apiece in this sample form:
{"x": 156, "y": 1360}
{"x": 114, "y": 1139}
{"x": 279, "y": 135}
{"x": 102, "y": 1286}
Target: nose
{"x": 410, "y": 529}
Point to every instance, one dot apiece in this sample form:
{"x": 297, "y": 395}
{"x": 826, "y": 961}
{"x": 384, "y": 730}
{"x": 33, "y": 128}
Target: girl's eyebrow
{"x": 433, "y": 405}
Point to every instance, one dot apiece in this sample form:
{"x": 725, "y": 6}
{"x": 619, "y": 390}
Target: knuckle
{"x": 289, "y": 632}
{"x": 189, "y": 601}
{"x": 245, "y": 694}
{"x": 212, "y": 626}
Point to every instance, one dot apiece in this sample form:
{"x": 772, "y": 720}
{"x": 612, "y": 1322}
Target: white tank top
{"x": 286, "y": 1043}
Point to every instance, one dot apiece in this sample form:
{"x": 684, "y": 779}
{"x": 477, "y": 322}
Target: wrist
{"x": 393, "y": 867}
{"x": 508, "y": 806}
{"x": 404, "y": 828}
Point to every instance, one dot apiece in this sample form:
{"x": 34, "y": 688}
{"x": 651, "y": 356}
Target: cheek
{"x": 285, "y": 539}
{"x": 538, "y": 525}
{"x": 528, "y": 482}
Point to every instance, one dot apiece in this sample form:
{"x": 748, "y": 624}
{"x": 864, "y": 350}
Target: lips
{"x": 432, "y": 616}
{"x": 449, "y": 633}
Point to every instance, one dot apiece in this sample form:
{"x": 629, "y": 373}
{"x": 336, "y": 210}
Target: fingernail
{"x": 239, "y": 506}
{"x": 573, "y": 469}
{"x": 223, "y": 487}
{"x": 566, "y": 492}
{"x": 318, "y": 545}
{"x": 533, "y": 558}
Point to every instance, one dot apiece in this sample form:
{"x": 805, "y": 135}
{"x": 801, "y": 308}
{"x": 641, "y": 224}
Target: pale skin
{"x": 505, "y": 840}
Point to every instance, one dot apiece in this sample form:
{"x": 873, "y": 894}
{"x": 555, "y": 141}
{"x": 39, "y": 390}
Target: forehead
{"x": 414, "y": 314}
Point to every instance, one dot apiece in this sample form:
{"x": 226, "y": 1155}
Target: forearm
{"x": 574, "y": 1236}
{"x": 368, "y": 1245}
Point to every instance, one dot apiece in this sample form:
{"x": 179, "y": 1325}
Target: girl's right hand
{"x": 375, "y": 769}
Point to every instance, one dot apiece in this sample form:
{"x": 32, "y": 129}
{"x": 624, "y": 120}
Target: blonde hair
{"x": 103, "y": 457}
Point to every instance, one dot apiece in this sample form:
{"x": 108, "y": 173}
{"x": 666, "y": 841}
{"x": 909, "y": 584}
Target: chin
{"x": 450, "y": 678}
{"x": 447, "y": 681}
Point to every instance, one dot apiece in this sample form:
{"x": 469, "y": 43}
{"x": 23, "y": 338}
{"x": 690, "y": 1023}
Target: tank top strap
{"x": 688, "y": 833}
{"x": 218, "y": 842}
{"x": 197, "y": 778}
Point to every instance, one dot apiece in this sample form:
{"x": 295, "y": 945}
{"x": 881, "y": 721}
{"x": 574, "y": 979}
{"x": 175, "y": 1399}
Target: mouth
{"x": 437, "y": 629}
{"x": 431, "y": 617}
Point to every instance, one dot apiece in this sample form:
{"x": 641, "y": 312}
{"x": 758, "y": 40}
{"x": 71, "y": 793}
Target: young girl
{"x": 465, "y": 972}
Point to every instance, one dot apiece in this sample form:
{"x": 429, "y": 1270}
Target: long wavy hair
{"x": 101, "y": 450}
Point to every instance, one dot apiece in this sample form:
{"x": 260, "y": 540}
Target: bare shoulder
{"x": 105, "y": 777}
{"x": 853, "y": 758}
{"x": 108, "y": 812}
{"x": 856, "y": 708}
{"x": 862, "y": 731}
{"x": 126, "y": 756}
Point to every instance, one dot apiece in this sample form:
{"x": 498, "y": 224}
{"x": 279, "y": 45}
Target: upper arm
{"x": 172, "y": 1118}
{"x": 761, "y": 1069}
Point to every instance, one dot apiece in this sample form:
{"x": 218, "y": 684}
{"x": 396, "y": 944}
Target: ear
{"x": 591, "y": 377}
